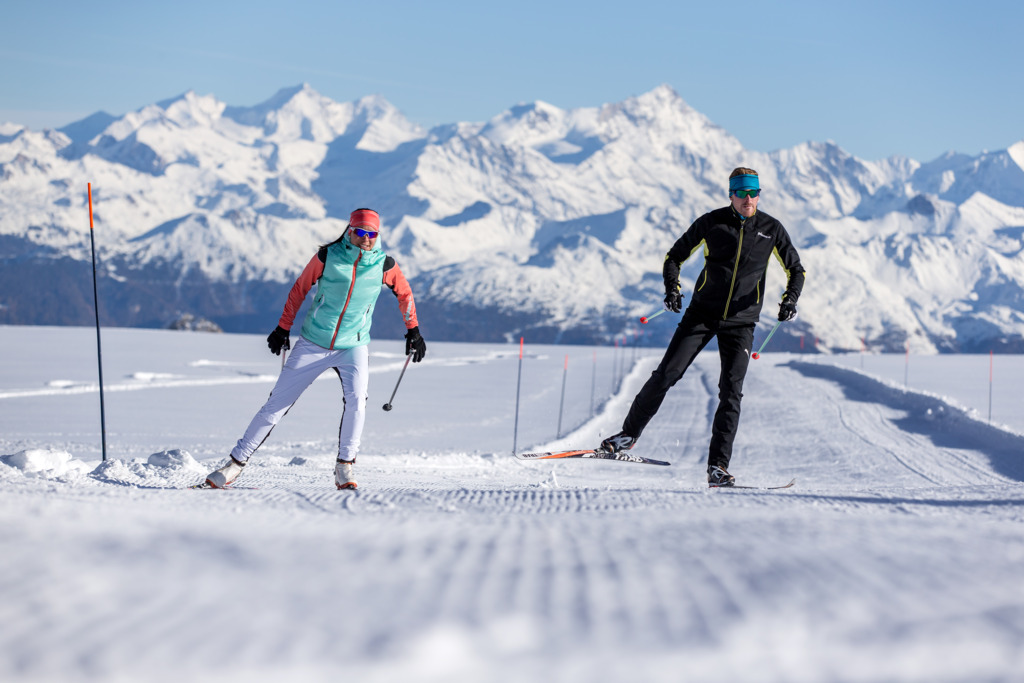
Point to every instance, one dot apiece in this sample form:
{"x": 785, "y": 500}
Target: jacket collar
{"x": 742, "y": 219}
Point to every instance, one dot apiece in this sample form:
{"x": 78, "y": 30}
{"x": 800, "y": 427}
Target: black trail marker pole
{"x": 99, "y": 348}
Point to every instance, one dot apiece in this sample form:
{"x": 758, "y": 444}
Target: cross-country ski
{"x": 761, "y": 488}
{"x": 591, "y": 454}
{"x": 203, "y": 485}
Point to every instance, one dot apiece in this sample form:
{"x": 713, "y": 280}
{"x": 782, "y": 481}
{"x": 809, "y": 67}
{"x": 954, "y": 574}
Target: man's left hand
{"x": 787, "y": 311}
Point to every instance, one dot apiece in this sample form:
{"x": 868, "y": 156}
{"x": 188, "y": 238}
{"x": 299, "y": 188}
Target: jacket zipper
{"x": 351, "y": 286}
{"x": 735, "y": 269}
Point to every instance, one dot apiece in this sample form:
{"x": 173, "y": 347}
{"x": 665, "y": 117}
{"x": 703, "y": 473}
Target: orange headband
{"x": 364, "y": 218}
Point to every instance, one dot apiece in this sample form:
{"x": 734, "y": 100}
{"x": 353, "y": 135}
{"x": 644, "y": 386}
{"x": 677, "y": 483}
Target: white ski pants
{"x": 306, "y": 362}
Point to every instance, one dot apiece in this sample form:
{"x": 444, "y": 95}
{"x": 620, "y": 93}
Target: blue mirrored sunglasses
{"x": 365, "y": 233}
{"x": 746, "y": 193}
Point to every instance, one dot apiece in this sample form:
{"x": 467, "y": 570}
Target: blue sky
{"x": 879, "y": 78}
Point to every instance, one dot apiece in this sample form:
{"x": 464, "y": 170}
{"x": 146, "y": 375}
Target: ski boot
{"x": 343, "y": 477}
{"x": 226, "y": 475}
{"x": 617, "y": 443}
{"x": 717, "y": 476}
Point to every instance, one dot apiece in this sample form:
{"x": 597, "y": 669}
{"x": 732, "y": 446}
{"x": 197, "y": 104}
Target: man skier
{"x": 348, "y": 273}
{"x": 738, "y": 241}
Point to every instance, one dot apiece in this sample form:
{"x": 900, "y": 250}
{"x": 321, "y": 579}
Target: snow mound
{"x": 167, "y": 469}
{"x": 176, "y": 458}
{"x": 45, "y": 463}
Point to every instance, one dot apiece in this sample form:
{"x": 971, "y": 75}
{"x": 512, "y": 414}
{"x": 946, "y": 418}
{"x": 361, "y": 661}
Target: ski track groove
{"x": 863, "y": 433}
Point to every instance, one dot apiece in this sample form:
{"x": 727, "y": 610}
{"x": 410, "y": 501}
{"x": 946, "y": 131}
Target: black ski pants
{"x": 692, "y": 335}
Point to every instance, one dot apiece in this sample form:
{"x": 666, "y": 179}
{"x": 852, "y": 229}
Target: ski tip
{"x": 762, "y": 488}
{"x": 652, "y": 461}
{"x": 553, "y": 455}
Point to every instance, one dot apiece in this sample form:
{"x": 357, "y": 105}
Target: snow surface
{"x": 896, "y": 557}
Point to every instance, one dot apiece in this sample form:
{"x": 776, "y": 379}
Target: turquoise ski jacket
{"x": 342, "y": 310}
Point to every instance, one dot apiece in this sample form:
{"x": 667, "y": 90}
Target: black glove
{"x": 673, "y": 300}
{"x": 277, "y": 340}
{"x": 415, "y": 345}
{"x": 787, "y": 311}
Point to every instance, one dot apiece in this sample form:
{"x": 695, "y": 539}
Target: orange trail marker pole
{"x": 99, "y": 348}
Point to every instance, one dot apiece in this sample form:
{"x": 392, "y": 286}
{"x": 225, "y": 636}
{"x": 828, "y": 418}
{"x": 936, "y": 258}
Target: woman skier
{"x": 348, "y": 274}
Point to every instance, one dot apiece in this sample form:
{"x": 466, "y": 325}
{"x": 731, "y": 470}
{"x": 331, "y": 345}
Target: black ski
{"x": 762, "y": 488}
{"x": 591, "y": 455}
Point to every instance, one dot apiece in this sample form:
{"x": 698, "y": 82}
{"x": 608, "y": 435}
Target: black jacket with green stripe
{"x": 736, "y": 255}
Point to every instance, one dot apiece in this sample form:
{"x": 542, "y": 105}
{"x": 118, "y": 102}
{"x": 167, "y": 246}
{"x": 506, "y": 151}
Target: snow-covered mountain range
{"x": 542, "y": 221}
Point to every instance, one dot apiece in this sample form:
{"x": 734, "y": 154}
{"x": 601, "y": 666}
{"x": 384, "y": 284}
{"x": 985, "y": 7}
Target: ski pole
{"x": 387, "y": 406}
{"x": 647, "y": 318}
{"x": 757, "y": 354}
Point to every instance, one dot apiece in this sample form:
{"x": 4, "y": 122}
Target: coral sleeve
{"x": 395, "y": 279}
{"x": 310, "y": 274}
